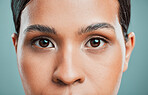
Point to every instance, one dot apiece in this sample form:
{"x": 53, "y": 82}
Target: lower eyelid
{"x": 102, "y": 39}
{"x": 96, "y": 50}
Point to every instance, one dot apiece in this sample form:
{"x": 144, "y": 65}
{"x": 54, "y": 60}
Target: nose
{"x": 65, "y": 75}
{"x": 68, "y": 70}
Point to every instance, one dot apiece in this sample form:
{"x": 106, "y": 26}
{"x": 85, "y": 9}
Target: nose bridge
{"x": 69, "y": 53}
{"x": 67, "y": 70}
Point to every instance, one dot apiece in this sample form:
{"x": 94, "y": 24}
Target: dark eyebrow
{"x": 97, "y": 26}
{"x": 40, "y": 28}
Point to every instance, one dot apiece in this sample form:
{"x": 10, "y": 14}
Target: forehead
{"x": 71, "y": 11}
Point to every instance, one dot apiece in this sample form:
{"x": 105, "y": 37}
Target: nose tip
{"x": 67, "y": 76}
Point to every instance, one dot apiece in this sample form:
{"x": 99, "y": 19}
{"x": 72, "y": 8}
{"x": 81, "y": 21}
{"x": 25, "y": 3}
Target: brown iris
{"x": 44, "y": 42}
{"x": 94, "y": 42}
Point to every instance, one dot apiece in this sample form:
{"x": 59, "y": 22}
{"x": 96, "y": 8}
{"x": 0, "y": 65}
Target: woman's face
{"x": 71, "y": 47}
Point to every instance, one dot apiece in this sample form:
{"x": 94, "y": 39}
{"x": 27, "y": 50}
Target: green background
{"x": 134, "y": 81}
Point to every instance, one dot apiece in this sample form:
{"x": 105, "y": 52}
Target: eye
{"x": 43, "y": 43}
{"x": 96, "y": 43}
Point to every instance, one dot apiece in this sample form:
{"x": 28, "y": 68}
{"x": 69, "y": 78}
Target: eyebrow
{"x": 90, "y": 28}
{"x": 40, "y": 28}
{"x": 97, "y": 26}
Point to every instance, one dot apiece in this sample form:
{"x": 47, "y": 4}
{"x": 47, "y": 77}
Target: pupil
{"x": 44, "y": 43}
{"x": 95, "y": 42}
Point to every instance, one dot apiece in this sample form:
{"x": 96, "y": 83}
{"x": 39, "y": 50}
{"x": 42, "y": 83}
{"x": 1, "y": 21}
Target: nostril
{"x": 59, "y": 82}
{"x": 79, "y": 80}
{"x": 62, "y": 83}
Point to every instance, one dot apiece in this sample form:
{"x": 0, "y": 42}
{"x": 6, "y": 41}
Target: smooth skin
{"x": 72, "y": 47}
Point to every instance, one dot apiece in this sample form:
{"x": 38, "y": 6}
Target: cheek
{"x": 35, "y": 69}
{"x": 106, "y": 71}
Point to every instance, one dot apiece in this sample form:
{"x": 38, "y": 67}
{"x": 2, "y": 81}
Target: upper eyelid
{"x": 100, "y": 37}
{"x": 42, "y": 37}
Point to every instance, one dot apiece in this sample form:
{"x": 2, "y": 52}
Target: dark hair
{"x": 124, "y": 16}
{"x": 124, "y": 13}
